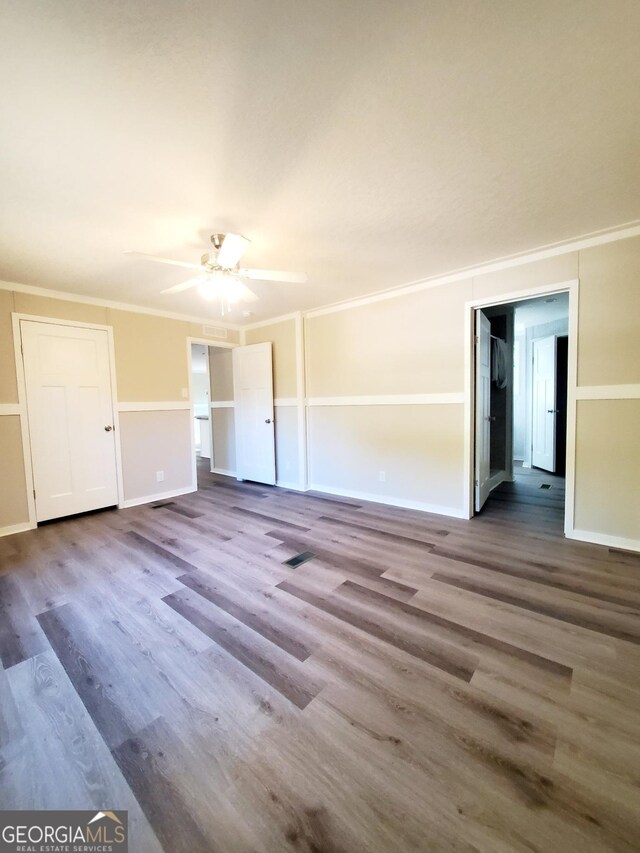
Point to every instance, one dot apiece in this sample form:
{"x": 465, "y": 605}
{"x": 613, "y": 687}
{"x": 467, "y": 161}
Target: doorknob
{"x": 108, "y": 428}
{"x": 267, "y": 420}
{"x": 553, "y": 411}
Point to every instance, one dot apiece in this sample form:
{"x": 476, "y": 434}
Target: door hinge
{"x": 34, "y": 494}
{"x": 477, "y": 483}
{"x": 476, "y": 339}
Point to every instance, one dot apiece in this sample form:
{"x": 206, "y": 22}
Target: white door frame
{"x": 208, "y": 343}
{"x": 572, "y": 288}
{"x": 16, "y": 319}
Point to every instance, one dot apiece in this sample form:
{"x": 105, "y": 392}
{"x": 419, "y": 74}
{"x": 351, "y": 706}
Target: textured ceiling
{"x": 367, "y": 143}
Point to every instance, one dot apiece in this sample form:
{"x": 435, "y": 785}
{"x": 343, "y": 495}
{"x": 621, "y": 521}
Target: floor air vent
{"x": 299, "y": 559}
{"x": 545, "y": 486}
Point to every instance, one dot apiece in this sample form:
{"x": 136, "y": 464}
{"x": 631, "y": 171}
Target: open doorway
{"x": 212, "y": 403}
{"x": 201, "y": 397}
{"x": 521, "y": 385}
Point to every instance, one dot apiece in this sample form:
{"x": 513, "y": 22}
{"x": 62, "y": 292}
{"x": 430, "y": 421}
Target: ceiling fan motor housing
{"x": 208, "y": 260}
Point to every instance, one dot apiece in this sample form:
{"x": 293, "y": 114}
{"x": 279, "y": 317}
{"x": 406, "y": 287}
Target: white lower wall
{"x": 420, "y": 449}
{"x": 155, "y": 441}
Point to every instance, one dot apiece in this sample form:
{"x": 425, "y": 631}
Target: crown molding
{"x": 576, "y": 244}
{"x": 283, "y": 318}
{"x": 118, "y": 306}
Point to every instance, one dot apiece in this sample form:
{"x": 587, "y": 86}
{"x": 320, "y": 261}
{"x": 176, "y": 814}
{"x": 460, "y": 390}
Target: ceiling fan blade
{"x": 245, "y": 293}
{"x": 233, "y": 248}
{"x": 165, "y": 260}
{"x": 184, "y": 285}
{"x": 274, "y": 275}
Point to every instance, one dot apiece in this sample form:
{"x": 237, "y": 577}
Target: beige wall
{"x": 535, "y": 274}
{"x": 151, "y": 442}
{"x": 8, "y": 384}
{"x": 151, "y": 357}
{"x": 412, "y": 344}
{"x": 610, "y": 314}
{"x": 13, "y": 487}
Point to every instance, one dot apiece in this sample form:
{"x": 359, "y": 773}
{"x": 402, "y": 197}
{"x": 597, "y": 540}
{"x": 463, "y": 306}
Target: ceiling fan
{"x": 219, "y": 272}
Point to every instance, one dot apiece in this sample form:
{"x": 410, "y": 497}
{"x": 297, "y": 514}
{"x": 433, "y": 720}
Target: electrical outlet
{"x": 185, "y": 393}
{"x": 159, "y": 476}
{"x": 382, "y": 475}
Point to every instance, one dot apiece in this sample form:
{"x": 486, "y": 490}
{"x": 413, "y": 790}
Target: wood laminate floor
{"x": 421, "y": 683}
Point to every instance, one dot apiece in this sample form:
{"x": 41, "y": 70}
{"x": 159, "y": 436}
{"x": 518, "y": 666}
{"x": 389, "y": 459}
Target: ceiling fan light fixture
{"x": 209, "y": 288}
{"x": 233, "y": 248}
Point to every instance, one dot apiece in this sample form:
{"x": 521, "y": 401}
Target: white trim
{"x": 224, "y": 471}
{"x": 292, "y": 486}
{"x": 222, "y": 404}
{"x": 24, "y": 421}
{"x": 572, "y": 287}
{"x": 11, "y": 409}
{"x": 284, "y": 402}
{"x": 497, "y": 478}
{"x": 604, "y": 539}
{"x": 390, "y": 400}
{"x": 160, "y": 406}
{"x": 301, "y": 409}
{"x": 56, "y": 321}
{"x": 17, "y": 528}
{"x": 190, "y": 405}
{"x": 572, "y": 408}
{"x": 598, "y": 238}
{"x": 388, "y": 500}
{"x": 65, "y": 296}
{"x": 213, "y": 342}
{"x": 283, "y": 318}
{"x": 161, "y": 496}
{"x": 116, "y": 413}
{"x": 608, "y": 392}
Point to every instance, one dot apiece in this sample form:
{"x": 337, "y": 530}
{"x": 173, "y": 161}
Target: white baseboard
{"x": 498, "y": 477}
{"x": 161, "y": 496}
{"x": 224, "y": 472}
{"x": 295, "y": 487}
{"x": 17, "y": 528}
{"x": 452, "y": 512}
{"x": 604, "y": 539}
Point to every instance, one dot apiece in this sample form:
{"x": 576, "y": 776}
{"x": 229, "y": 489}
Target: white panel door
{"x": 70, "y": 414}
{"x": 544, "y": 412}
{"x": 253, "y": 413}
{"x": 483, "y": 410}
